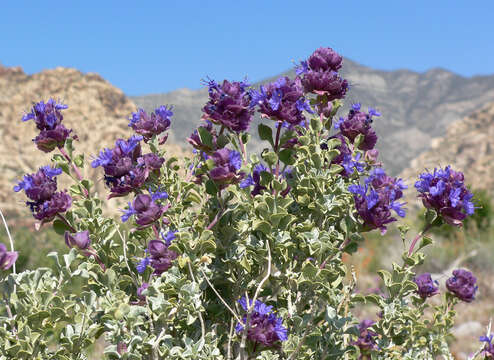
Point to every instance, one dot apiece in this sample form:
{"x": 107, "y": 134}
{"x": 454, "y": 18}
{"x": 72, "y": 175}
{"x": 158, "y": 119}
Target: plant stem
{"x": 219, "y": 297}
{"x": 419, "y": 235}
{"x": 10, "y": 239}
{"x": 201, "y": 319}
{"x": 76, "y": 169}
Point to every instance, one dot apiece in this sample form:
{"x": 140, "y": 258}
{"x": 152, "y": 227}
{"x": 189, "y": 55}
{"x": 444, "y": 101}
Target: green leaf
{"x": 60, "y": 227}
{"x": 286, "y": 156}
{"x": 79, "y": 161}
{"x": 262, "y": 226}
{"x": 266, "y": 133}
{"x": 205, "y": 136}
{"x": 424, "y": 242}
{"x": 211, "y": 187}
{"x": 270, "y": 157}
{"x": 315, "y": 124}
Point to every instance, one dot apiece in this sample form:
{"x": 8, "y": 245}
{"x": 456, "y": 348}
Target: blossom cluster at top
{"x": 48, "y": 118}
{"x": 444, "y": 191}
{"x": 377, "y": 198}
{"x": 150, "y": 125}
{"x": 319, "y": 74}
{"x": 282, "y": 100}
{"x": 41, "y": 189}
{"x": 228, "y": 105}
{"x": 264, "y": 326}
{"x": 126, "y": 169}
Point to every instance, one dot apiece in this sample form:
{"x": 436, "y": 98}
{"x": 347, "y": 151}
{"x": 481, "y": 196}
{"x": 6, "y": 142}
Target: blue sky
{"x": 157, "y": 46}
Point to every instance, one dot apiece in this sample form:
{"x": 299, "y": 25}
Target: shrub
{"x": 231, "y": 256}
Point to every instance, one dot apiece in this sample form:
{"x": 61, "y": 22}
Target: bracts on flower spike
{"x": 48, "y": 118}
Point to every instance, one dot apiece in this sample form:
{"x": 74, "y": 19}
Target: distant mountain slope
{"x": 415, "y": 107}
{"x": 468, "y": 146}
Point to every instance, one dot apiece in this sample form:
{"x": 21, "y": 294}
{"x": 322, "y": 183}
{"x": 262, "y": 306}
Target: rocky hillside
{"x": 97, "y": 113}
{"x": 416, "y": 107}
{"x": 468, "y": 146}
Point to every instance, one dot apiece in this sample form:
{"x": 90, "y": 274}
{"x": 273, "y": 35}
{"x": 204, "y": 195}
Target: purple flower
{"x": 444, "y": 191}
{"x": 358, "y": 123}
{"x": 367, "y": 338}
{"x": 7, "y": 258}
{"x": 48, "y": 119}
{"x": 325, "y": 59}
{"x": 228, "y": 105}
{"x": 150, "y": 125}
{"x": 488, "y": 350}
{"x": 78, "y": 240}
{"x": 143, "y": 263}
{"x": 254, "y": 179}
{"x": 264, "y": 326}
{"x": 39, "y": 186}
{"x": 161, "y": 256}
{"x": 143, "y": 287}
{"x": 168, "y": 237}
{"x": 375, "y": 200}
{"x": 350, "y": 164}
{"x": 282, "y": 100}
{"x": 227, "y": 162}
{"x": 426, "y": 287}
{"x": 46, "y": 210}
{"x": 126, "y": 169}
{"x": 462, "y": 284}
{"x": 146, "y": 210}
{"x": 158, "y": 194}
{"x": 319, "y": 75}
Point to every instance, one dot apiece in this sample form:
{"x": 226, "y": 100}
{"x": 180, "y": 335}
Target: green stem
{"x": 419, "y": 235}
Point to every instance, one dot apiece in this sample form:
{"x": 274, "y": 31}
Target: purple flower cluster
{"x": 319, "y": 74}
{"x": 462, "y": 284}
{"x": 7, "y": 258}
{"x": 366, "y": 340}
{"x": 444, "y": 191}
{"x": 126, "y": 169}
{"x": 48, "y": 119}
{"x": 228, "y": 105}
{"x": 41, "y": 189}
{"x": 358, "y": 123}
{"x": 426, "y": 287}
{"x": 282, "y": 100}
{"x": 226, "y": 164}
{"x": 488, "y": 350}
{"x": 375, "y": 200}
{"x": 145, "y": 209}
{"x": 160, "y": 256}
{"x": 150, "y": 125}
{"x": 264, "y": 327}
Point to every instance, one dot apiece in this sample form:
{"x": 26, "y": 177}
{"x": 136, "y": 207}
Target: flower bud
{"x": 79, "y": 240}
